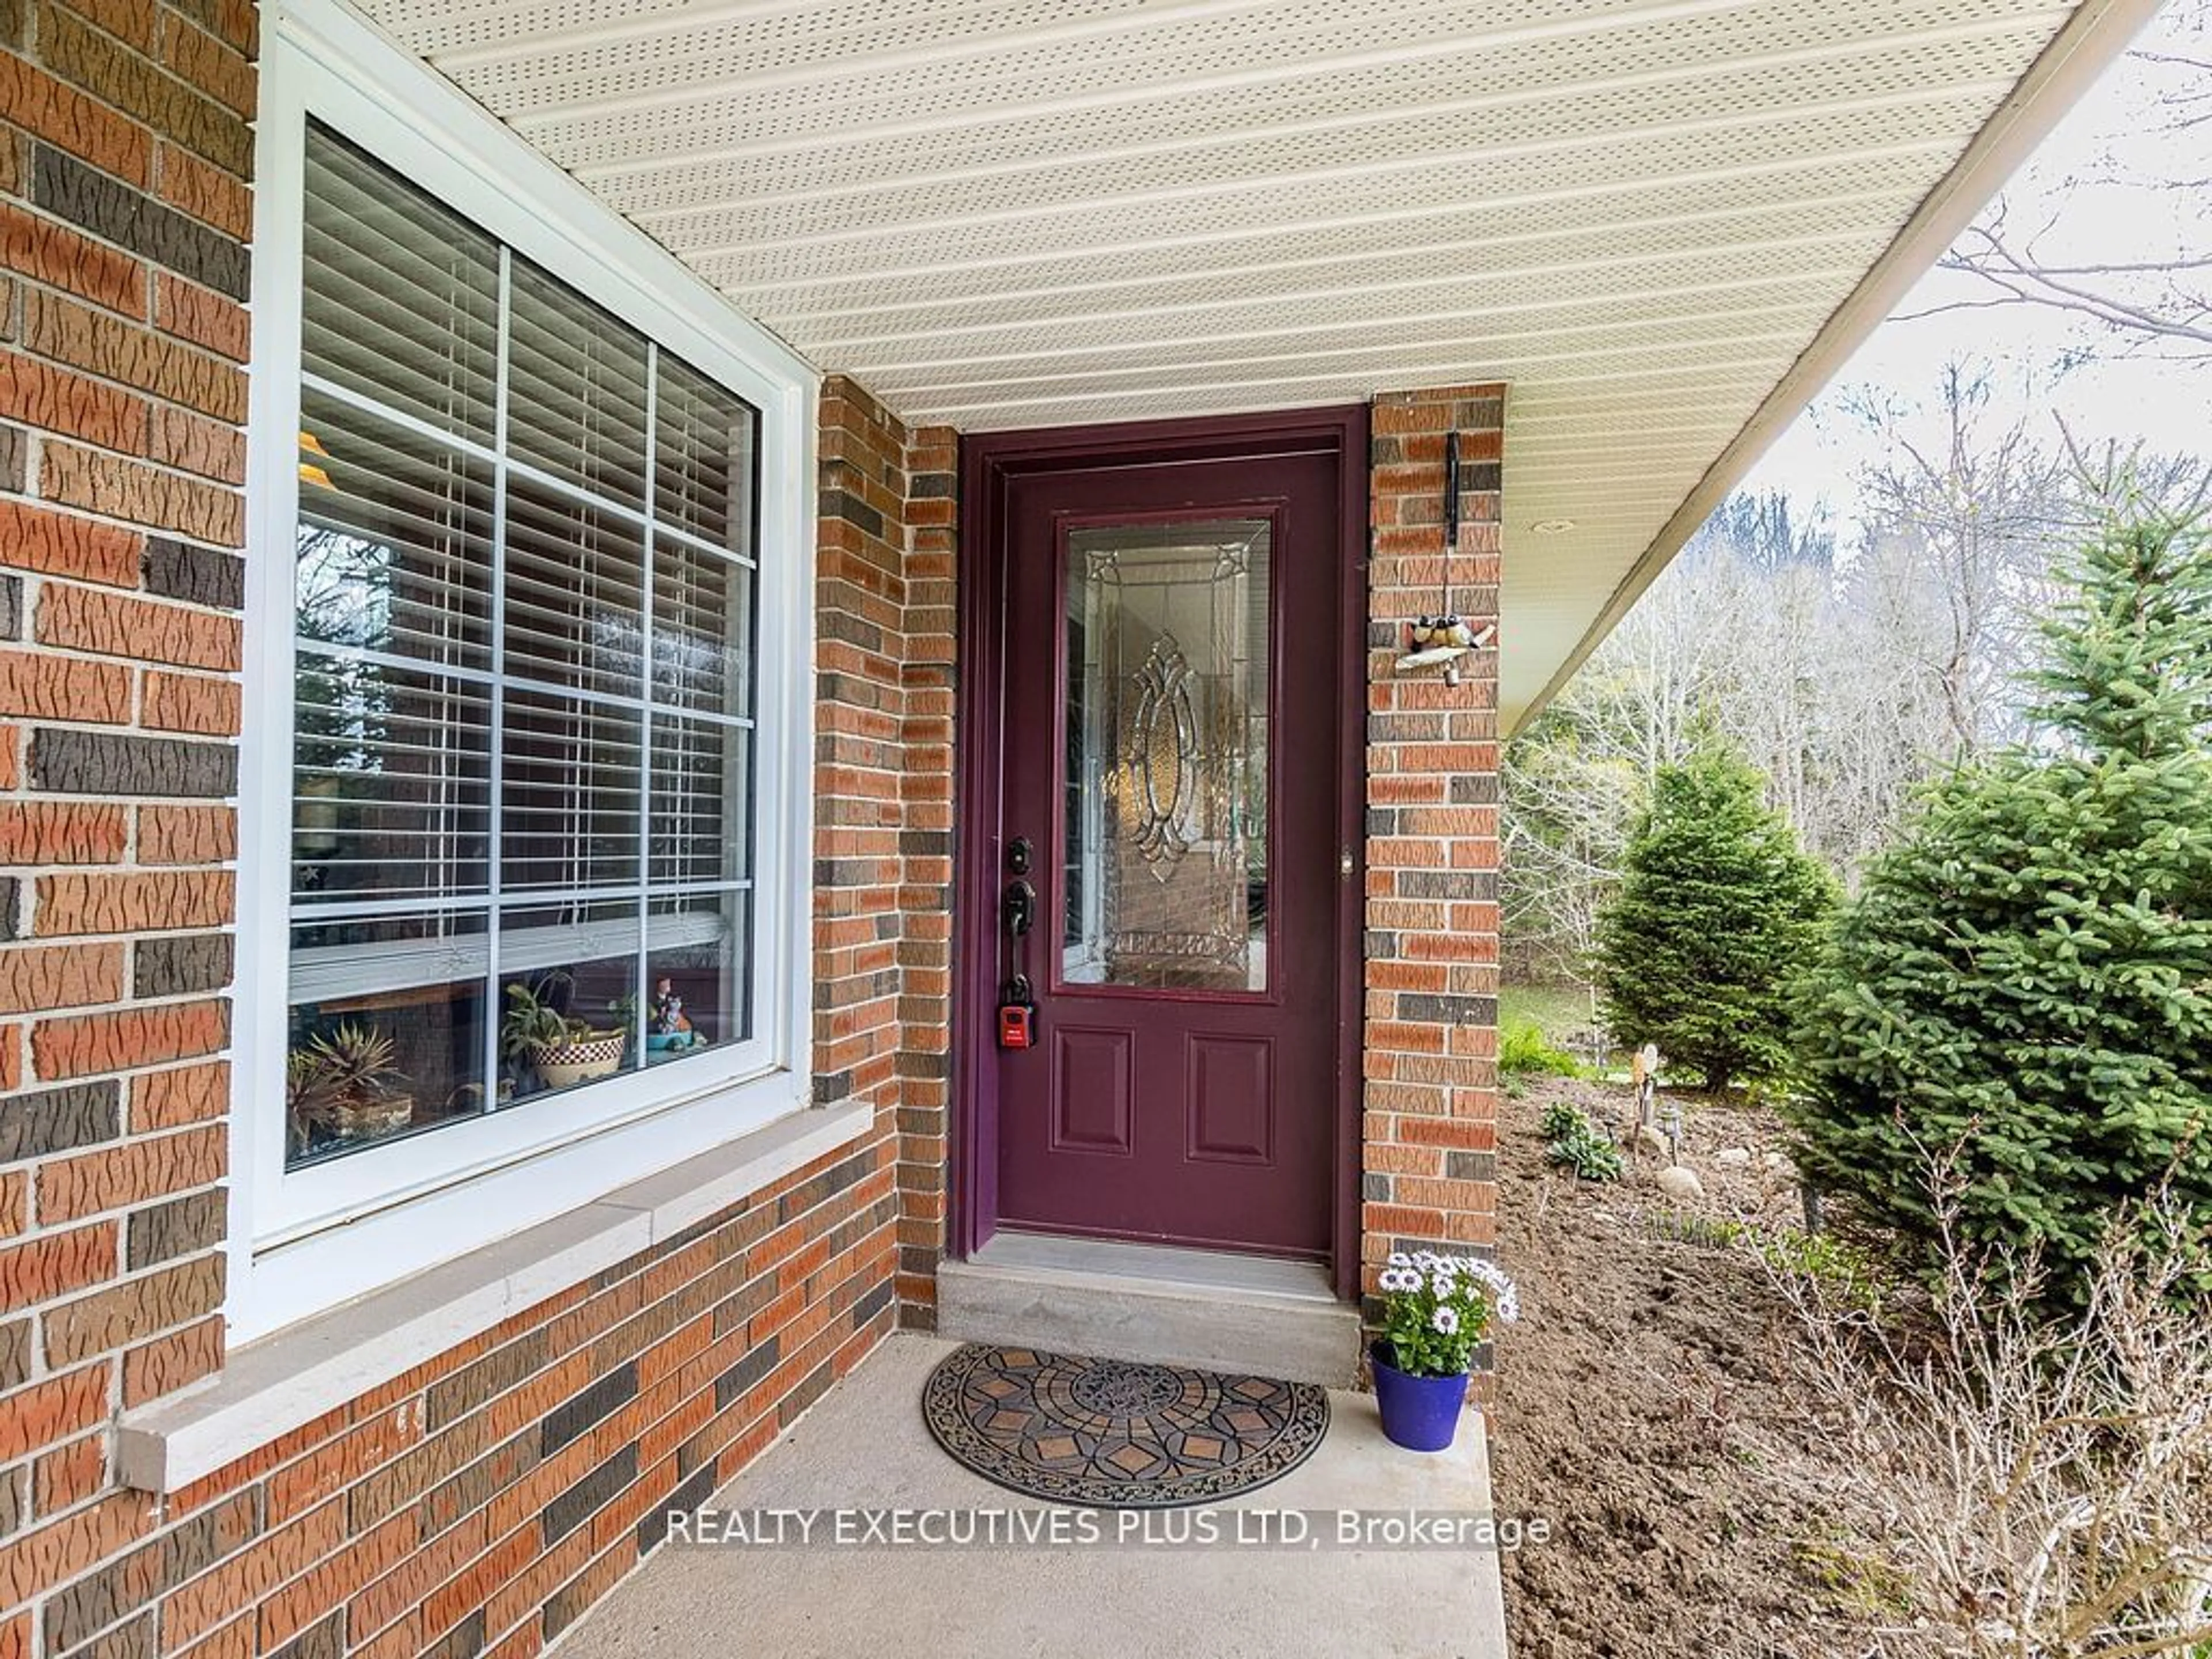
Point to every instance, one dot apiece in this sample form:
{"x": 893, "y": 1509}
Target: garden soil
{"x": 1641, "y": 1406}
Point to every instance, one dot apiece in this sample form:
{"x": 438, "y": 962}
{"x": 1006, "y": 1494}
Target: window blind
{"x": 524, "y": 660}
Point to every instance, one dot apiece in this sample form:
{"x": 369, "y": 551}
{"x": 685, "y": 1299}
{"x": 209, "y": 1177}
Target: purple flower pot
{"x": 1420, "y": 1414}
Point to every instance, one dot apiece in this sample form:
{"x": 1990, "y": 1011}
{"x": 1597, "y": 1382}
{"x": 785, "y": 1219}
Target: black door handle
{"x": 1017, "y": 909}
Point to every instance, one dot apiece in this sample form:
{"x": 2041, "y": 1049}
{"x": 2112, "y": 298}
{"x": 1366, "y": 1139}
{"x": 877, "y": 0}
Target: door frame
{"x": 989, "y": 462}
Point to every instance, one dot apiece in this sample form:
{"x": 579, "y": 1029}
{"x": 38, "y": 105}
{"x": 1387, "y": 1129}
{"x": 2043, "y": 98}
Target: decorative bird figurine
{"x": 1441, "y": 641}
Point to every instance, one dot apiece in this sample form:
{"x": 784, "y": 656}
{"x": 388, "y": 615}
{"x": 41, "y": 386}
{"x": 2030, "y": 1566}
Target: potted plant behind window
{"x": 1437, "y": 1309}
{"x": 346, "y": 1084}
{"x": 562, "y": 1051}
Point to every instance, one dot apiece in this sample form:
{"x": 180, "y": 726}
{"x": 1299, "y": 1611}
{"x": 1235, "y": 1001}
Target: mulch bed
{"x": 1643, "y": 1404}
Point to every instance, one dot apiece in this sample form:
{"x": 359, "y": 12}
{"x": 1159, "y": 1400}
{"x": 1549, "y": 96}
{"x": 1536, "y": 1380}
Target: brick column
{"x": 858, "y": 714}
{"x": 925, "y": 845}
{"x": 1429, "y": 1175}
{"x": 884, "y": 797}
{"x": 125, "y": 207}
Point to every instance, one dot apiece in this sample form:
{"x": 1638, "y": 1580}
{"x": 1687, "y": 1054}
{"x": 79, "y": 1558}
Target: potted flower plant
{"x": 1435, "y": 1311}
{"x": 345, "y": 1083}
{"x": 562, "y": 1049}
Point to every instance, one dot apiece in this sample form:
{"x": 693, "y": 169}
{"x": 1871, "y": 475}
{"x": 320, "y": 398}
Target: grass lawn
{"x": 1558, "y": 1009}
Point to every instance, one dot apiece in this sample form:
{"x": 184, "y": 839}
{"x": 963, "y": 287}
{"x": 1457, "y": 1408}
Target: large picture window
{"x": 523, "y": 687}
{"x": 523, "y": 823}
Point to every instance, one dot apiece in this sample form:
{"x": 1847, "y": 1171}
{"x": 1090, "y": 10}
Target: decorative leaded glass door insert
{"x": 1166, "y": 818}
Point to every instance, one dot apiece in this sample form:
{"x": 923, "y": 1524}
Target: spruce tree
{"x": 2024, "y": 983}
{"x": 1718, "y": 909}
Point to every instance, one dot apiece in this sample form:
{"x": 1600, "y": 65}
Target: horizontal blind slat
{"x": 401, "y": 294}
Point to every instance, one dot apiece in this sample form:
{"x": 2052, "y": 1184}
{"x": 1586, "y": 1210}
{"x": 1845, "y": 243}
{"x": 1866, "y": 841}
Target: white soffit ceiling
{"x": 1026, "y": 213}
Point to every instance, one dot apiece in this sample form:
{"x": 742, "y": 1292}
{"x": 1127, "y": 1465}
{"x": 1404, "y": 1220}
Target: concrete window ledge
{"x": 273, "y": 1385}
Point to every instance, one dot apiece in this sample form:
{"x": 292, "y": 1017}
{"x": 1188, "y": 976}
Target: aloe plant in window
{"x": 346, "y": 1084}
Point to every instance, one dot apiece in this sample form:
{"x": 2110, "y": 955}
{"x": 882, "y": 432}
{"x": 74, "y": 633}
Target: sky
{"x": 2090, "y": 184}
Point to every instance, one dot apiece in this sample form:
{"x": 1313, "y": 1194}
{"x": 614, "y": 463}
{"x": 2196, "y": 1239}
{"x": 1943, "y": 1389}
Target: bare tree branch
{"x": 2157, "y": 290}
{"x": 2170, "y": 314}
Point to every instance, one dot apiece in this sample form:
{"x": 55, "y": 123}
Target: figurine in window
{"x": 669, "y": 1029}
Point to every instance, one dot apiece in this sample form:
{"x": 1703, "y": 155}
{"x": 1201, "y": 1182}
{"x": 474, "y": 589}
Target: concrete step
{"x": 1111, "y": 1300}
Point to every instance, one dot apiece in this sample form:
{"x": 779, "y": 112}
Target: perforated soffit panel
{"x": 1026, "y": 213}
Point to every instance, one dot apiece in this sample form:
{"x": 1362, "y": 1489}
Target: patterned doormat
{"x": 1110, "y": 1434}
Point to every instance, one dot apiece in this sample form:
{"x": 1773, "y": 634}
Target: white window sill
{"x": 273, "y": 1385}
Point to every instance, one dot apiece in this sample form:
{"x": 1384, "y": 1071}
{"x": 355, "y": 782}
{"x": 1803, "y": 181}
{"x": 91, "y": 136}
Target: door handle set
{"x": 1018, "y": 910}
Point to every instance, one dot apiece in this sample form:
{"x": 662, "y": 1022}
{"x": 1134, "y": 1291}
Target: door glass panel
{"x": 1166, "y": 770}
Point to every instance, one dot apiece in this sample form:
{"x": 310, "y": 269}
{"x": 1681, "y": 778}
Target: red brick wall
{"x": 860, "y": 707}
{"x": 1430, "y": 1175}
{"x": 481, "y": 1501}
{"x": 124, "y": 210}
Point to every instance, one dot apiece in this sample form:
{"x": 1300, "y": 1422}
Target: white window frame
{"x": 304, "y": 1240}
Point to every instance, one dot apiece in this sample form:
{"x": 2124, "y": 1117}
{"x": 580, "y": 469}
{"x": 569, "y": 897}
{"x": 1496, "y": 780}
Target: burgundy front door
{"x": 1170, "y": 792}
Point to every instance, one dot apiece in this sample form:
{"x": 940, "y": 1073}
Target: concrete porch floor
{"x": 863, "y": 1445}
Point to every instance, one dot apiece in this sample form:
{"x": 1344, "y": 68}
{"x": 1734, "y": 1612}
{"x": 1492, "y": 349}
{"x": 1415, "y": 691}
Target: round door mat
{"x": 1111, "y": 1434}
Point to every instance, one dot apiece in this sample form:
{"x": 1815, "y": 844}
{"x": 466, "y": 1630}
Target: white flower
{"x": 1400, "y": 1279}
{"x": 1443, "y": 1281}
{"x": 1446, "y": 1321}
{"x": 1503, "y": 1296}
{"x": 1400, "y": 1259}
